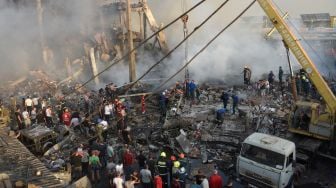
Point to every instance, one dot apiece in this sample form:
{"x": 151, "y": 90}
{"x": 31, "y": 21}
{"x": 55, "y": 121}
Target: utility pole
{"x": 132, "y": 64}
{"x": 39, "y": 10}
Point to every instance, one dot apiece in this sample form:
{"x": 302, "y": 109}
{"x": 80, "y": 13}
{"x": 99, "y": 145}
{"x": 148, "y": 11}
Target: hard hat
{"x": 183, "y": 170}
{"x": 173, "y": 158}
{"x": 163, "y": 154}
{"x": 177, "y": 164}
{"x": 181, "y": 155}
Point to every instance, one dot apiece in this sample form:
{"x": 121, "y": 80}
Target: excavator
{"x": 319, "y": 117}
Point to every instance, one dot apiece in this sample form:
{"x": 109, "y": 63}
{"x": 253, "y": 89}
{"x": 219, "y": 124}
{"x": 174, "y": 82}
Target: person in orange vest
{"x": 143, "y": 104}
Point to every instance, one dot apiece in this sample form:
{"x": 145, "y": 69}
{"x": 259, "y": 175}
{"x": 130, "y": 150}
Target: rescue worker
{"x": 306, "y": 86}
{"x": 271, "y": 78}
{"x": 162, "y": 101}
{"x": 298, "y": 84}
{"x": 182, "y": 176}
{"x": 235, "y": 101}
{"x": 220, "y": 115}
{"x": 187, "y": 86}
{"x": 280, "y": 75}
{"x": 192, "y": 91}
{"x": 176, "y": 167}
{"x": 183, "y": 160}
{"x": 163, "y": 169}
{"x": 170, "y": 165}
{"x": 225, "y": 98}
{"x": 247, "y": 75}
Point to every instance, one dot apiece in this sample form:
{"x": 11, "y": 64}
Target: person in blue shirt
{"x": 225, "y": 98}
{"x": 192, "y": 89}
{"x": 235, "y": 101}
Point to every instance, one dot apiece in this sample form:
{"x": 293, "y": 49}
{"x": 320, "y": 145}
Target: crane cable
{"x": 207, "y": 45}
{"x": 142, "y": 43}
{"x": 178, "y": 45}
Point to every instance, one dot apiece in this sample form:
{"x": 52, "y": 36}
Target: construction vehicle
{"x": 269, "y": 161}
{"x": 319, "y": 119}
{"x": 39, "y": 139}
{"x": 266, "y": 161}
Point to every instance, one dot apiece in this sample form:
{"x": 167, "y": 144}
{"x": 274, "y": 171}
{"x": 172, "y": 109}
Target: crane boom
{"x": 300, "y": 54}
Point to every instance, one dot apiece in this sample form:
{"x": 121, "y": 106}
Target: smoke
{"x": 65, "y": 25}
{"x": 68, "y": 24}
{"x": 242, "y": 44}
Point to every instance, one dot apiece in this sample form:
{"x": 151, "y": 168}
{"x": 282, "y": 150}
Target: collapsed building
{"x": 209, "y": 141}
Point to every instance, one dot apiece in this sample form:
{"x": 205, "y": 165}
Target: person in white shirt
{"x": 205, "y": 183}
{"x": 26, "y": 118}
{"x": 36, "y": 102}
{"x": 29, "y": 104}
{"x": 118, "y": 182}
{"x": 107, "y": 112}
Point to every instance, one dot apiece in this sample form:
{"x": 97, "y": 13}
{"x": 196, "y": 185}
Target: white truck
{"x": 266, "y": 161}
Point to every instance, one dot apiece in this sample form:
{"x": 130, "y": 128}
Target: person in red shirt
{"x": 176, "y": 183}
{"x": 128, "y": 158}
{"x": 158, "y": 181}
{"x": 215, "y": 180}
{"x": 128, "y": 162}
{"x": 66, "y": 117}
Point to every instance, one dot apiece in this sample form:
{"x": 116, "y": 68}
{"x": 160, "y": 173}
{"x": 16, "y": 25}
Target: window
{"x": 289, "y": 160}
{"x": 263, "y": 156}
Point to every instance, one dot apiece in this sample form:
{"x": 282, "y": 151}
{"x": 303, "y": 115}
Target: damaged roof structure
{"x": 55, "y": 118}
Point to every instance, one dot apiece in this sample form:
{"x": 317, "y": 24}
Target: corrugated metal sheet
{"x": 320, "y": 17}
{"x": 20, "y": 164}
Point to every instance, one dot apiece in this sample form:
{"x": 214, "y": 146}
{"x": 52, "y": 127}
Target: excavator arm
{"x": 300, "y": 54}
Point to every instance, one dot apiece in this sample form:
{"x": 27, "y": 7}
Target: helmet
{"x": 183, "y": 170}
{"x": 177, "y": 164}
{"x": 181, "y": 155}
{"x": 173, "y": 158}
{"x": 163, "y": 154}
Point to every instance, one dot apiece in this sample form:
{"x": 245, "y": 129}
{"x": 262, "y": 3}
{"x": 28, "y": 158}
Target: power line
{"x": 142, "y": 43}
{"x": 207, "y": 45}
{"x": 304, "y": 39}
{"x": 178, "y": 45}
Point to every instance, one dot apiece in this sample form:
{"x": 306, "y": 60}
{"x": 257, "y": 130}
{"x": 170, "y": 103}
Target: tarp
{"x": 183, "y": 141}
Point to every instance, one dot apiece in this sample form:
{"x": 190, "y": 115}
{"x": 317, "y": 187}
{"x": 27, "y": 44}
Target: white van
{"x": 266, "y": 161}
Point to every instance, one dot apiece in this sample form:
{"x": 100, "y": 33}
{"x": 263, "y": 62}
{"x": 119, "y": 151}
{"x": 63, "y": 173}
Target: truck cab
{"x": 266, "y": 161}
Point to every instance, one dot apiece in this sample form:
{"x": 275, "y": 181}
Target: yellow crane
{"x": 321, "y": 118}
